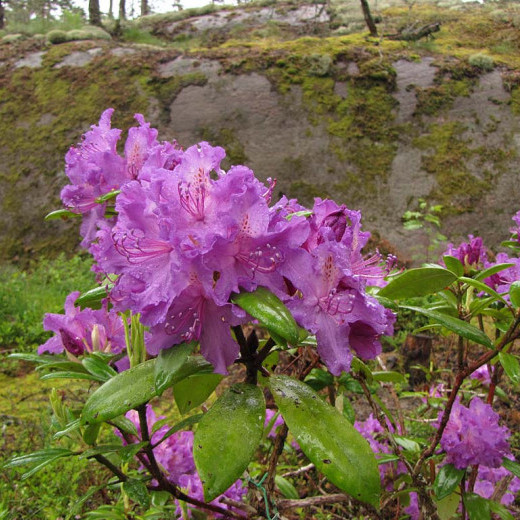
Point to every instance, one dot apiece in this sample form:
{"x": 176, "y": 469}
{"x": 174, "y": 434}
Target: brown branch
{"x": 114, "y": 469}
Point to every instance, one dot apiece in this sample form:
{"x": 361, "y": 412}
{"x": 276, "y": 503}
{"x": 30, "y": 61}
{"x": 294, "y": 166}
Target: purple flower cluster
{"x": 473, "y": 436}
{"x": 472, "y": 254}
{"x": 175, "y": 456}
{"x": 80, "y": 331}
{"x": 502, "y": 281}
{"x": 186, "y": 234}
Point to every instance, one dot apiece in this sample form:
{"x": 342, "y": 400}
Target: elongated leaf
{"x": 168, "y": 364}
{"x": 500, "y": 510}
{"x": 137, "y": 491}
{"x": 69, "y": 428}
{"x": 454, "y": 265}
{"x": 270, "y": 311}
{"x": 512, "y": 466}
{"x": 36, "y": 358}
{"x": 511, "y": 366}
{"x": 285, "y": 487}
{"x": 418, "y": 282}
{"x": 482, "y": 287}
{"x": 124, "y": 424}
{"x": 61, "y": 213}
{"x": 389, "y": 377}
{"x": 328, "y": 439}
{"x": 514, "y": 294}
{"x": 194, "y": 390}
{"x": 120, "y": 394}
{"x": 70, "y": 375}
{"x": 227, "y": 437}
{"x": 99, "y": 368}
{"x": 486, "y": 273}
{"x": 90, "y": 433}
{"x": 92, "y": 299}
{"x": 477, "y": 507}
{"x": 462, "y": 328}
{"x": 108, "y": 196}
{"x": 185, "y": 423}
{"x": 447, "y": 480}
{"x": 40, "y": 458}
{"x": 63, "y": 366}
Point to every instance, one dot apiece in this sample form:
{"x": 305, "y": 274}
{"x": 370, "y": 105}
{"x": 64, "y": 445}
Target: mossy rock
{"x": 56, "y": 36}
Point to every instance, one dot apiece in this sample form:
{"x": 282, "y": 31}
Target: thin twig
{"x": 114, "y": 469}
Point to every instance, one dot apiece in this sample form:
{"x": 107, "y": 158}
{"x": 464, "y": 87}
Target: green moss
{"x": 449, "y": 154}
{"x": 305, "y": 191}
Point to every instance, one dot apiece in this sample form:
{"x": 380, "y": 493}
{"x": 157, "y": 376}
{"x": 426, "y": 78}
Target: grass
{"x": 25, "y": 295}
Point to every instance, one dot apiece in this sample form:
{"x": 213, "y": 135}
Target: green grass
{"x": 25, "y": 295}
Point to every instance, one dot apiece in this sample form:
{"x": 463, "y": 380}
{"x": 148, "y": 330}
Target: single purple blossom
{"x": 502, "y": 280}
{"x": 79, "y": 331}
{"x": 472, "y": 254}
{"x": 473, "y": 436}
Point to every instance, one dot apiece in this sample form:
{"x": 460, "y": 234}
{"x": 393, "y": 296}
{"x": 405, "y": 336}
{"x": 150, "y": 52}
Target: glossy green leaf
{"x": 125, "y": 425}
{"x": 227, "y": 437}
{"x": 514, "y": 294}
{"x": 120, "y": 394}
{"x": 447, "y": 507}
{"x": 512, "y": 466}
{"x": 270, "y": 311}
{"x": 477, "y": 507}
{"x": 418, "y": 282}
{"x": 511, "y": 366}
{"x": 286, "y": 488}
{"x": 194, "y": 390}
{"x": 92, "y": 299}
{"x": 462, "y": 328}
{"x": 454, "y": 265}
{"x": 108, "y": 196}
{"x": 328, "y": 439}
{"x": 137, "y": 492}
{"x": 169, "y": 362}
{"x": 407, "y": 444}
{"x": 486, "y": 273}
{"x": 447, "y": 480}
{"x": 69, "y": 428}
{"x": 481, "y": 286}
{"x": 61, "y": 213}
{"x": 70, "y": 375}
{"x": 99, "y": 368}
{"x": 319, "y": 379}
{"x": 501, "y": 511}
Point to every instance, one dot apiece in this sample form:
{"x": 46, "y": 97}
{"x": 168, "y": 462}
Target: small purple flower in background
{"x": 516, "y": 229}
{"x": 488, "y": 478}
{"x": 269, "y": 414}
{"x": 175, "y": 455}
{"x": 472, "y": 254}
{"x": 79, "y": 331}
{"x": 482, "y": 374}
{"x": 473, "y": 436}
{"x": 502, "y": 280}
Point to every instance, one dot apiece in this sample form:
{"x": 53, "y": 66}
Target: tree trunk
{"x": 144, "y": 8}
{"x": 94, "y": 14}
{"x": 122, "y": 10}
{"x": 111, "y": 9}
{"x": 2, "y": 15}
{"x": 368, "y": 18}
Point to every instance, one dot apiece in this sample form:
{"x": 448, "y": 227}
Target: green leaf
{"x": 270, "y": 311}
{"x": 482, "y": 287}
{"x": 98, "y": 368}
{"x": 511, "y": 366}
{"x": 40, "y": 458}
{"x": 460, "y": 327}
{"x": 418, "y": 282}
{"x": 486, "y": 273}
{"x": 319, "y": 379}
{"x": 477, "y": 507}
{"x": 407, "y": 444}
{"x": 227, "y": 437}
{"x": 512, "y": 466}
{"x": 500, "y": 510}
{"x": 92, "y": 299}
{"x": 189, "y": 421}
{"x": 90, "y": 433}
{"x": 120, "y": 394}
{"x": 454, "y": 265}
{"x": 69, "y": 428}
{"x": 286, "y": 488}
{"x": 514, "y": 294}
{"x": 108, "y": 196}
{"x": 328, "y": 439}
{"x": 169, "y": 362}
{"x": 447, "y": 507}
{"x": 447, "y": 480}
{"x": 389, "y": 377}
{"x": 125, "y": 425}
{"x": 61, "y": 213}
{"x": 137, "y": 492}
{"x": 70, "y": 375}
{"x": 194, "y": 390}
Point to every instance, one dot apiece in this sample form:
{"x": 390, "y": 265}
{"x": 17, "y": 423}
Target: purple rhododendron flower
{"x": 472, "y": 254}
{"x": 502, "y": 280}
{"x": 79, "y": 331}
{"x": 186, "y": 235}
{"x": 488, "y": 478}
{"x": 473, "y": 436}
{"x": 482, "y": 374}
{"x": 175, "y": 456}
{"x": 515, "y": 231}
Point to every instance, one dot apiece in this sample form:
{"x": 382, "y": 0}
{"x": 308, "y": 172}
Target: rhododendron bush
{"x": 201, "y": 271}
